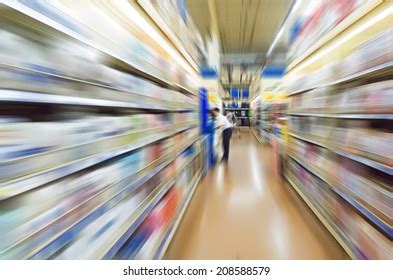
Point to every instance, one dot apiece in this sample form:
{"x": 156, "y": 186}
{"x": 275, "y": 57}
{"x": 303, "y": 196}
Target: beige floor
{"x": 243, "y": 211}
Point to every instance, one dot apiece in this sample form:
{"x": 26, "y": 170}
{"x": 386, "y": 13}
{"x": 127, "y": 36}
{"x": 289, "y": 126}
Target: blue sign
{"x": 209, "y": 73}
{"x": 235, "y": 93}
{"x": 204, "y": 112}
{"x": 273, "y": 72}
{"x": 246, "y": 93}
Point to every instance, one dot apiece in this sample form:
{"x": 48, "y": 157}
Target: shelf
{"x": 371, "y": 163}
{"x": 236, "y": 109}
{"x": 344, "y": 115}
{"x": 96, "y": 84}
{"x": 183, "y": 89}
{"x": 170, "y": 232}
{"x": 373, "y": 71}
{"x": 352, "y": 19}
{"x": 380, "y": 225}
{"x": 257, "y": 138}
{"x": 15, "y": 96}
{"x": 328, "y": 224}
{"x": 23, "y": 184}
{"x": 68, "y": 33}
{"x": 111, "y": 249}
{"x": 142, "y": 177}
{"x": 161, "y": 24}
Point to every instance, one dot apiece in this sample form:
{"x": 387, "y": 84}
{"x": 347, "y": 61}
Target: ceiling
{"x": 246, "y": 27}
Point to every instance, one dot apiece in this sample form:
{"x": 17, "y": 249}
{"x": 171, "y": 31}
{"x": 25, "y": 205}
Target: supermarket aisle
{"x": 242, "y": 211}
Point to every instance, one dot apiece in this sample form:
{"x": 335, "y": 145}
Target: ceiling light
{"x": 292, "y": 10}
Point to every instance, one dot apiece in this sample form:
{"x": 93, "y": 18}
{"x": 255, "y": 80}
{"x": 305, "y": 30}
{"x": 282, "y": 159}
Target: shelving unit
{"x": 236, "y": 109}
{"x": 170, "y": 31}
{"x": 330, "y": 36}
{"x": 117, "y": 61}
{"x": 368, "y": 73}
{"x": 324, "y": 220}
{"x": 172, "y": 227}
{"x": 336, "y": 149}
{"x": 12, "y": 96}
{"x": 266, "y": 119}
{"x": 105, "y": 138}
{"x": 381, "y": 225}
{"x": 22, "y": 184}
{"x": 256, "y": 119}
{"x": 345, "y": 116}
{"x": 133, "y": 222}
{"x": 264, "y": 122}
{"x": 335, "y": 159}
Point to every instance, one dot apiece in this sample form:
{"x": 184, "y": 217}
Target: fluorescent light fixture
{"x": 372, "y": 21}
{"x": 273, "y": 45}
{"x": 295, "y": 6}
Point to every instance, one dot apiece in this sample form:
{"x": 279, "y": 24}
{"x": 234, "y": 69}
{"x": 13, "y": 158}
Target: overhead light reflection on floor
{"x": 220, "y": 181}
{"x": 257, "y": 175}
{"x": 279, "y": 237}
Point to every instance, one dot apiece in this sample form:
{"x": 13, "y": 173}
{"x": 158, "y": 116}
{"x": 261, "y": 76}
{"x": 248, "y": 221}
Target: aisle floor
{"x": 242, "y": 210}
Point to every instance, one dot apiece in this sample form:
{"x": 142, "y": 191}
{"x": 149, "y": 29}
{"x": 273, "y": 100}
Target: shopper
{"x": 232, "y": 118}
{"x": 222, "y": 122}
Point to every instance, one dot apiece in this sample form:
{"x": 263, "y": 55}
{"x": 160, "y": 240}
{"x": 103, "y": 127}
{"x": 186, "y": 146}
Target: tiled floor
{"x": 243, "y": 211}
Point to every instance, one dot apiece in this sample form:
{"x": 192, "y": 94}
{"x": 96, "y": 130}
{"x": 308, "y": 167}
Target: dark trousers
{"x": 226, "y": 138}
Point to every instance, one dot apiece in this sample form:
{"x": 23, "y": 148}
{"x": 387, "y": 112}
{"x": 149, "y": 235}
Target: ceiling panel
{"x": 245, "y": 26}
{"x": 199, "y": 12}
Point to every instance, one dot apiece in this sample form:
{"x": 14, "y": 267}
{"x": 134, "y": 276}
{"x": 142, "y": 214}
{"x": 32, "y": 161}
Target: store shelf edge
{"x": 379, "y": 224}
{"x": 321, "y": 218}
{"x": 371, "y": 163}
{"x": 256, "y": 137}
{"x": 161, "y": 24}
{"x": 344, "y": 115}
{"x": 6, "y": 191}
{"x": 172, "y": 230}
{"x": 333, "y": 33}
{"x": 17, "y": 96}
{"x": 349, "y": 78}
{"x": 79, "y": 225}
{"x": 65, "y": 31}
{"x": 113, "y": 250}
{"x": 73, "y": 79}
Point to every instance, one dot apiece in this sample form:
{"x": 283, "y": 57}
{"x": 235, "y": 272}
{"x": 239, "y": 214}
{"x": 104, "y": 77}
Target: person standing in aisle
{"x": 222, "y": 122}
{"x": 229, "y": 116}
{"x": 232, "y": 118}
